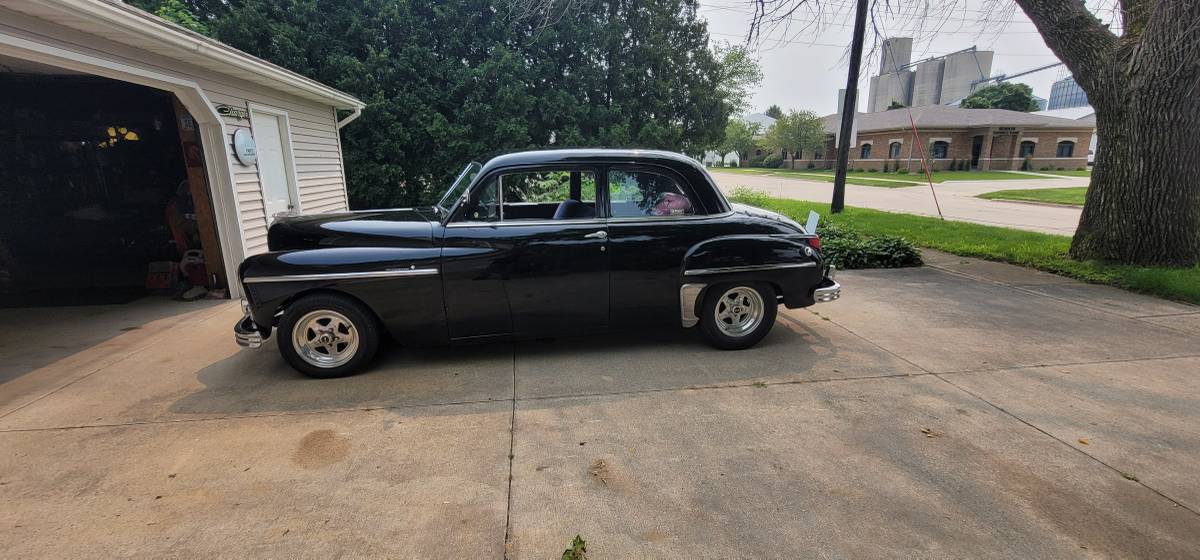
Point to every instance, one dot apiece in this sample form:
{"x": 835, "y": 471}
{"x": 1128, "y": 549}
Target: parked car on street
{"x": 530, "y": 245}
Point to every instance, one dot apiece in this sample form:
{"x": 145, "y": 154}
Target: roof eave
{"x": 120, "y": 15}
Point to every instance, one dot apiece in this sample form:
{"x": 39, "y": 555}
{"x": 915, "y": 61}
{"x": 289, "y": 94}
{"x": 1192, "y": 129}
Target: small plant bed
{"x": 1036, "y": 250}
{"x": 1072, "y": 196}
{"x": 846, "y": 246}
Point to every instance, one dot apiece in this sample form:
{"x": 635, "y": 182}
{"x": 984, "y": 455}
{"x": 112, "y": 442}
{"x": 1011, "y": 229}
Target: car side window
{"x": 636, "y": 194}
{"x": 554, "y": 194}
{"x": 483, "y": 206}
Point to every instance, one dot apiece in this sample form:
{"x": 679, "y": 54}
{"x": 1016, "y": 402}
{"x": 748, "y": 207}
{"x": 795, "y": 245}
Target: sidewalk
{"x": 958, "y": 199}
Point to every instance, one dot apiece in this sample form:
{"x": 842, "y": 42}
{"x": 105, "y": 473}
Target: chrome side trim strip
{"x": 398, "y": 273}
{"x": 747, "y": 268}
{"x": 688, "y": 294}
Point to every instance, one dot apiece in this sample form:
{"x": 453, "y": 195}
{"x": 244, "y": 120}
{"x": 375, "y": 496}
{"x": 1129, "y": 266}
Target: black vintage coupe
{"x": 529, "y": 245}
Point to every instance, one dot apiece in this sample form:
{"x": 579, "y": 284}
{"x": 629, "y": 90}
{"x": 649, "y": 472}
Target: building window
{"x": 758, "y": 152}
{"x": 1066, "y": 148}
{"x": 1027, "y": 148}
{"x": 866, "y": 151}
{"x": 940, "y": 149}
{"x": 894, "y": 150}
{"x": 818, "y": 155}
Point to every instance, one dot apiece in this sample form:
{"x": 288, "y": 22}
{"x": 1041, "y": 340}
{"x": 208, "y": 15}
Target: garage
{"x": 142, "y": 159}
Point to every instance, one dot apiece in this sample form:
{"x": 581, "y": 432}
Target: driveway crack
{"x": 512, "y": 437}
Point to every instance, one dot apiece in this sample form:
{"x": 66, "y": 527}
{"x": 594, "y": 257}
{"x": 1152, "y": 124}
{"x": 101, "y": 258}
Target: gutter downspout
{"x": 350, "y": 118}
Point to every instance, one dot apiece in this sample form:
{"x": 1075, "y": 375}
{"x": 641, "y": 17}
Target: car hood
{"x": 396, "y": 227}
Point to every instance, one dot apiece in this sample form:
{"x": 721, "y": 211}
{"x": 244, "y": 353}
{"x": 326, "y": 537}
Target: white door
{"x": 273, "y": 164}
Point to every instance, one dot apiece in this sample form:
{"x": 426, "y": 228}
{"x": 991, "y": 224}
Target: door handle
{"x": 597, "y": 235}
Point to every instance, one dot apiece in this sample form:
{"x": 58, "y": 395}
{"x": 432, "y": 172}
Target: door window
{"x": 534, "y": 195}
{"x": 636, "y": 194}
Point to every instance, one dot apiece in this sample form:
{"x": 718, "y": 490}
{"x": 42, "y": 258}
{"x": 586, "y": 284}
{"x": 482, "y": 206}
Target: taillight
{"x": 814, "y": 242}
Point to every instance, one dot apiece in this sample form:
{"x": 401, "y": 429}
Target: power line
{"x": 814, "y": 44}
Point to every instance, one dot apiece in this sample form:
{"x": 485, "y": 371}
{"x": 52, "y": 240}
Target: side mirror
{"x": 810, "y": 226}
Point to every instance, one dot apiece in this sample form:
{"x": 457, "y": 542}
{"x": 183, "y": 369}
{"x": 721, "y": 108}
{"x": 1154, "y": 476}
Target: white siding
{"x": 315, "y": 140}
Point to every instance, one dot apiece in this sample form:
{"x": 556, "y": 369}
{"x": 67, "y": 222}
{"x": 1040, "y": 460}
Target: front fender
{"x": 786, "y": 262}
{"x": 402, "y": 285}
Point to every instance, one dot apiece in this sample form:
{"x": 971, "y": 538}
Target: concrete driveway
{"x": 958, "y": 199}
{"x": 963, "y": 409}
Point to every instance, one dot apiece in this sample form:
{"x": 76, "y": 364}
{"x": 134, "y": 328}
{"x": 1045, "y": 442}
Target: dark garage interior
{"x": 95, "y": 201}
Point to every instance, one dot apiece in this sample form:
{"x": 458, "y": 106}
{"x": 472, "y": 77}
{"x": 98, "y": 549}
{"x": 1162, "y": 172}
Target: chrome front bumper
{"x": 246, "y": 333}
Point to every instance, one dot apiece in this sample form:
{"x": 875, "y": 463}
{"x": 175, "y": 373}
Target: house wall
{"x": 315, "y": 141}
{"x": 1002, "y": 156}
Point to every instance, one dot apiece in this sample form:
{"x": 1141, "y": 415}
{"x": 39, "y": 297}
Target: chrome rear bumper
{"x": 829, "y": 290}
{"x": 246, "y": 333}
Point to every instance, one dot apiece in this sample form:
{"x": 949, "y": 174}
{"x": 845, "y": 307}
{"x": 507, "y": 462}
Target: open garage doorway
{"x": 103, "y": 193}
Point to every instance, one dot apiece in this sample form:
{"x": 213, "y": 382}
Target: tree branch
{"x": 1076, "y": 36}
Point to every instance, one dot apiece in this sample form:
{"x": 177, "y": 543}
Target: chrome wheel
{"x": 739, "y": 311}
{"x": 325, "y": 338}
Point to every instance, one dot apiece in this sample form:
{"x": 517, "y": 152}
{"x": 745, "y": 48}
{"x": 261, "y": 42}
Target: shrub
{"x": 902, "y": 171}
{"x": 811, "y": 165}
{"x": 1080, "y": 169}
{"x": 843, "y": 246}
{"x": 872, "y": 170}
{"x": 1045, "y": 169}
{"x": 772, "y": 161}
{"x": 1059, "y": 169}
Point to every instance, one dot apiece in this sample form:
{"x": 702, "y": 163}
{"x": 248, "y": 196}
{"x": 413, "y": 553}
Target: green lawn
{"x": 915, "y": 177}
{"x": 866, "y": 179}
{"x": 1069, "y": 173}
{"x": 1036, "y": 250}
{"x": 1066, "y": 195}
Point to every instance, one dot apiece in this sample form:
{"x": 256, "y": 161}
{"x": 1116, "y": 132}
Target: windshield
{"x": 459, "y": 186}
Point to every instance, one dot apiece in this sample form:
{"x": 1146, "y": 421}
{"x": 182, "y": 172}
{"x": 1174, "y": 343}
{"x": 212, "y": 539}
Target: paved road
{"x": 958, "y": 199}
{"x": 960, "y": 410}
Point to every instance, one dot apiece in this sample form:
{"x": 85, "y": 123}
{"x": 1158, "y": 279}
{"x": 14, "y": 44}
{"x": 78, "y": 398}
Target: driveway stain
{"x": 321, "y": 448}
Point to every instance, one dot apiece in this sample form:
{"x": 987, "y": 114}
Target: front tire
{"x": 738, "y": 315}
{"x": 328, "y": 335}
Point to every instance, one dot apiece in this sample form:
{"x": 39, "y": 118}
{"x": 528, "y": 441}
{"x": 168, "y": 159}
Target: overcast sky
{"x": 804, "y": 67}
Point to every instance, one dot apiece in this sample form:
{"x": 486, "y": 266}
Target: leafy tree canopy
{"x": 448, "y": 82}
{"x": 774, "y": 112}
{"x": 796, "y": 131}
{"x": 1006, "y": 95}
{"x": 741, "y": 73}
{"x": 896, "y": 105}
{"x": 740, "y": 136}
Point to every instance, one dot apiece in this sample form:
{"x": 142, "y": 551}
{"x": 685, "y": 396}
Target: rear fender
{"x": 788, "y": 263}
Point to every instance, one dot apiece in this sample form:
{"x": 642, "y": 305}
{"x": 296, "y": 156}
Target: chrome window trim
{"x": 542, "y": 222}
{"x": 399, "y": 273}
{"x": 747, "y": 268}
{"x": 682, "y": 218}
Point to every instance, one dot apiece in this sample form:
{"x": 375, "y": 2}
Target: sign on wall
{"x": 244, "y": 148}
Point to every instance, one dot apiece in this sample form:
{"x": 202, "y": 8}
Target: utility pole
{"x": 849, "y": 104}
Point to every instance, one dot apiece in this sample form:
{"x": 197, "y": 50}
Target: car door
{"x": 528, "y": 256}
{"x": 654, "y": 218}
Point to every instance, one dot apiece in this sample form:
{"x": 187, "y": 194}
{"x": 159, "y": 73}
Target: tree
{"x": 175, "y": 11}
{"x": 448, "y": 82}
{"x": 796, "y": 131}
{"x": 740, "y": 137}
{"x": 740, "y": 73}
{"x": 1140, "y": 73}
{"x": 896, "y": 105}
{"x": 774, "y": 112}
{"x": 1006, "y": 95}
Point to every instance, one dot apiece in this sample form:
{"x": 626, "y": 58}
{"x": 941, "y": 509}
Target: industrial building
{"x": 1066, "y": 94}
{"x": 940, "y": 80}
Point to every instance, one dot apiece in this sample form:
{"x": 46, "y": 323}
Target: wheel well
{"x": 708, "y": 288}
{"x": 330, "y": 291}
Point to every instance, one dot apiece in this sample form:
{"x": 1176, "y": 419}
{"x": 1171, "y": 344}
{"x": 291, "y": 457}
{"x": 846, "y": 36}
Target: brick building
{"x": 985, "y": 138}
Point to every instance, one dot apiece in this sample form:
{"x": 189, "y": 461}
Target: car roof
{"x": 582, "y": 155}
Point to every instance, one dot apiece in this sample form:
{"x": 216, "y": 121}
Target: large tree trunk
{"x": 1143, "y": 206}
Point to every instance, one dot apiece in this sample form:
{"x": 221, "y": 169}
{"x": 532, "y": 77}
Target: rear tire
{"x": 328, "y": 335}
{"x": 738, "y": 315}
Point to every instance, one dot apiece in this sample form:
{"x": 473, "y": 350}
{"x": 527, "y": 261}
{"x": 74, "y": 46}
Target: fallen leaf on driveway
{"x": 930, "y": 433}
{"x": 1083, "y": 441}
